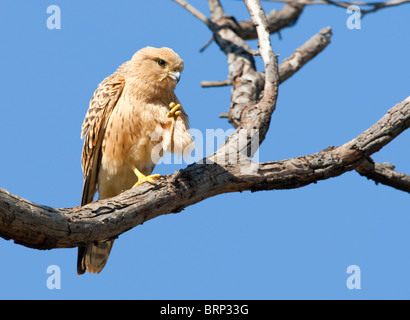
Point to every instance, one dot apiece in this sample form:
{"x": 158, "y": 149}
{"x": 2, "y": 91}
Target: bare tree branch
{"x": 288, "y": 67}
{"x": 384, "y": 173}
{"x": 195, "y": 12}
{"x": 220, "y": 83}
{"x": 305, "y": 53}
{"x": 216, "y": 9}
{"x": 277, "y": 20}
{"x": 270, "y": 92}
{"x": 247, "y": 82}
{"x": 294, "y": 63}
{"x": 42, "y": 227}
{"x": 253, "y": 101}
{"x": 373, "y": 6}
{"x": 256, "y": 115}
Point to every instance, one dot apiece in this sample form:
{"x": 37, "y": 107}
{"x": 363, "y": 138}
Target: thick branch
{"x": 43, "y": 227}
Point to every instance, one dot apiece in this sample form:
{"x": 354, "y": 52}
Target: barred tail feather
{"x": 93, "y": 256}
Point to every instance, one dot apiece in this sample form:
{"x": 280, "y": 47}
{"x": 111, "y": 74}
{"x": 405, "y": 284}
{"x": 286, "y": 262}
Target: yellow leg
{"x": 174, "y": 112}
{"x": 143, "y": 178}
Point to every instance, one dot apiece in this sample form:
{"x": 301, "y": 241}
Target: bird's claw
{"x": 143, "y": 178}
{"x": 175, "y": 111}
{"x": 149, "y": 179}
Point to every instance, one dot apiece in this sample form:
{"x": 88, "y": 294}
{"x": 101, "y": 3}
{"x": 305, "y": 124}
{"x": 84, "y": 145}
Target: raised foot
{"x": 175, "y": 111}
{"x": 143, "y": 178}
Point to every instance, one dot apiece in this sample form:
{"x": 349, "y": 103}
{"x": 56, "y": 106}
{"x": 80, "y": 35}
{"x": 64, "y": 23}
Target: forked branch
{"x": 253, "y": 101}
{"x": 42, "y": 227}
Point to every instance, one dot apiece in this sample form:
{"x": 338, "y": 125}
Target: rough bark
{"x": 277, "y": 20}
{"x": 229, "y": 169}
{"x": 384, "y": 173}
{"x": 42, "y": 227}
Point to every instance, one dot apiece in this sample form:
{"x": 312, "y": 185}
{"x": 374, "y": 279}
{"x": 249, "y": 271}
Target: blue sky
{"x": 293, "y": 244}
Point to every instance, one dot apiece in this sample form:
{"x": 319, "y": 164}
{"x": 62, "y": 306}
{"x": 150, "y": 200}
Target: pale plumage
{"x": 128, "y": 126}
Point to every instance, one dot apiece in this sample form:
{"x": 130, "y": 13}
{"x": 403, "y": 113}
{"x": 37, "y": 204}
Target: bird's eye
{"x": 161, "y": 63}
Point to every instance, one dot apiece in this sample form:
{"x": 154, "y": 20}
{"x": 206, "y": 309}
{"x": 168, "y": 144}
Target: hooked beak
{"x": 175, "y": 75}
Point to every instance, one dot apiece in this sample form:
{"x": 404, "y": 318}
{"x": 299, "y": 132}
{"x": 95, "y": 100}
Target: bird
{"x": 133, "y": 117}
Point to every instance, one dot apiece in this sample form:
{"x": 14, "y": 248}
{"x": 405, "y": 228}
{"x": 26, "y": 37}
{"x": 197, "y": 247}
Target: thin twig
{"x": 195, "y": 12}
{"x": 374, "y": 6}
{"x": 384, "y": 173}
{"x": 222, "y": 83}
{"x": 206, "y": 45}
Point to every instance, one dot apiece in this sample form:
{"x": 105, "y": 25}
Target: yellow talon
{"x": 143, "y": 178}
{"x": 174, "y": 112}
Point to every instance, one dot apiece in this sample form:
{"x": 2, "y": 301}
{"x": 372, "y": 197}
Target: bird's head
{"x": 158, "y": 66}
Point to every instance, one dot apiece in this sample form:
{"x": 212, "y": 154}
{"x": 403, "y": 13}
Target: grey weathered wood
{"x": 252, "y": 104}
{"x": 42, "y": 227}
